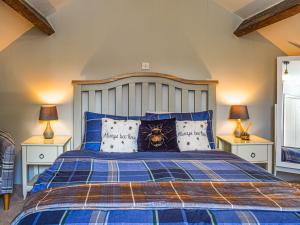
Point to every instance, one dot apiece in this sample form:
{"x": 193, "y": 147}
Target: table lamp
{"x": 48, "y": 113}
{"x": 238, "y": 113}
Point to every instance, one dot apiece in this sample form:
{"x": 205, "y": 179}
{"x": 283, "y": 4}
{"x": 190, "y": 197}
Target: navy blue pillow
{"x": 93, "y": 127}
{"x": 196, "y": 116}
{"x": 158, "y": 136}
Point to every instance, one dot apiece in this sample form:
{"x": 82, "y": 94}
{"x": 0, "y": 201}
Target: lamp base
{"x": 48, "y": 133}
{"x": 239, "y": 129}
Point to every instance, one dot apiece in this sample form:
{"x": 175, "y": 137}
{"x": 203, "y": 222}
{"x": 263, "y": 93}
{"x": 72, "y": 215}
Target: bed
{"x": 290, "y": 154}
{"x": 191, "y": 187}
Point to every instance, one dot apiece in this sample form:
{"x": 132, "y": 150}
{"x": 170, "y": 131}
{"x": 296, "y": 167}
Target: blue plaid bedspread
{"x": 84, "y": 167}
{"x": 161, "y": 217}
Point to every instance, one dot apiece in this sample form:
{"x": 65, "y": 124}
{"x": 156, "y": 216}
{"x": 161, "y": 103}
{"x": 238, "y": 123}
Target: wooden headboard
{"x": 134, "y": 94}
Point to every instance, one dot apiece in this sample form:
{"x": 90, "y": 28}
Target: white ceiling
{"x": 281, "y": 34}
{"x": 284, "y": 34}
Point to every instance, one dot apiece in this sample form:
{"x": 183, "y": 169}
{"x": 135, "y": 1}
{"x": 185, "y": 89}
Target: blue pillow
{"x": 93, "y": 127}
{"x": 196, "y": 116}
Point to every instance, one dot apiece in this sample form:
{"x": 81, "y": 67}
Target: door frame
{"x": 279, "y": 164}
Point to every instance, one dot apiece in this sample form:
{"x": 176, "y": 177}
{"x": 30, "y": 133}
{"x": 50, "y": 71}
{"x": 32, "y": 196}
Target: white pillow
{"x": 119, "y": 135}
{"x": 192, "y": 135}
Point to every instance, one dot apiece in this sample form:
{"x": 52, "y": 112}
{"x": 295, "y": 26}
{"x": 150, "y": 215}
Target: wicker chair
{"x": 7, "y": 158}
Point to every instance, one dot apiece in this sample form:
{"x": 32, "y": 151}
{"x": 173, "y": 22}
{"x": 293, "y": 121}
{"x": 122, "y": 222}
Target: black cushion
{"x": 158, "y": 136}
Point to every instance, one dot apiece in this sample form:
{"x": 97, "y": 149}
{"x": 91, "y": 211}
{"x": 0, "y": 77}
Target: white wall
{"x": 190, "y": 38}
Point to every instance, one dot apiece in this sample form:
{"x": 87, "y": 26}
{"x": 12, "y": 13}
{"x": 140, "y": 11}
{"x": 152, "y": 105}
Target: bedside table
{"x": 257, "y": 150}
{"x": 36, "y": 152}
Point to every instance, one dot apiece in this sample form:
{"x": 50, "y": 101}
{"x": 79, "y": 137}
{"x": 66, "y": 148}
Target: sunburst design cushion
{"x": 158, "y": 136}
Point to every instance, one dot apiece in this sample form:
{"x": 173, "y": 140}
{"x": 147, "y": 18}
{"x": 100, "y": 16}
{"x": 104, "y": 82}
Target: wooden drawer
{"x": 38, "y": 154}
{"x": 253, "y": 153}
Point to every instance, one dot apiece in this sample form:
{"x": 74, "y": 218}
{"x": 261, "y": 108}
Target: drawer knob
{"x": 253, "y": 155}
{"x": 41, "y": 156}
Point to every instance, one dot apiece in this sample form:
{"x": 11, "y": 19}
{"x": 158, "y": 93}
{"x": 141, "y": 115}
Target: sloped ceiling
{"x": 284, "y": 34}
{"x": 12, "y": 25}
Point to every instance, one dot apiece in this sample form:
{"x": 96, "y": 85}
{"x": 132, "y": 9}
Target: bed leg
{"x": 6, "y": 199}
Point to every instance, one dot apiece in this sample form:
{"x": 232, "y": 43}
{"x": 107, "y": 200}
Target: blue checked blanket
{"x": 161, "y": 217}
{"x": 276, "y": 196}
{"x": 84, "y": 167}
{"x": 208, "y": 187}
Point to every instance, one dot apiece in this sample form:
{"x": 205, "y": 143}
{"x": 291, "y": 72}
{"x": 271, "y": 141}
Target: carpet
{"x": 16, "y": 204}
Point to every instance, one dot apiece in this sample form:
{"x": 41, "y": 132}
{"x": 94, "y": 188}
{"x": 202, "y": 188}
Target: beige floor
{"x": 16, "y": 205}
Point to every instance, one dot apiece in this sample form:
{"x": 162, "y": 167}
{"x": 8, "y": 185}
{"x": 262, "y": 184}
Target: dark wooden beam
{"x": 281, "y": 11}
{"x": 31, "y": 14}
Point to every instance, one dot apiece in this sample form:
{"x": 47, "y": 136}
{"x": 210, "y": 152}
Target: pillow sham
{"x": 158, "y": 136}
{"x": 93, "y": 129}
{"x": 192, "y": 135}
{"x": 195, "y": 116}
{"x": 119, "y": 135}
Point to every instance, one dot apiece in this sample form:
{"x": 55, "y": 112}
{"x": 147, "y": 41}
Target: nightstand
{"x": 38, "y": 152}
{"x": 257, "y": 150}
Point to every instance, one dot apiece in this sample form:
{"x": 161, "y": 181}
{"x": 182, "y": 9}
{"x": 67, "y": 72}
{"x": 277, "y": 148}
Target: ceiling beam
{"x": 276, "y": 13}
{"x": 31, "y": 14}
